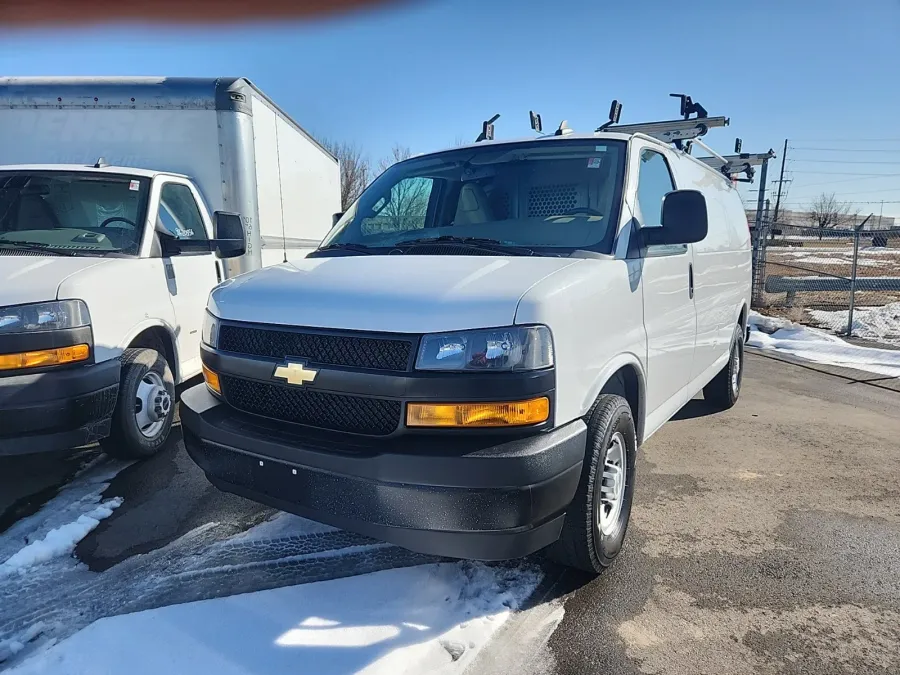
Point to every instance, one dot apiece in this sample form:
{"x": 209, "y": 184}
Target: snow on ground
{"x": 813, "y": 344}
{"x": 425, "y": 619}
{"x": 283, "y": 525}
{"x": 871, "y": 323}
{"x": 59, "y": 541}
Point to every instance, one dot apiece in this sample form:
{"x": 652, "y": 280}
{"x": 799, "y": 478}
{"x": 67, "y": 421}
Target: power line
{"x": 844, "y": 161}
{"x": 847, "y": 140}
{"x": 847, "y": 173}
{"x": 892, "y": 150}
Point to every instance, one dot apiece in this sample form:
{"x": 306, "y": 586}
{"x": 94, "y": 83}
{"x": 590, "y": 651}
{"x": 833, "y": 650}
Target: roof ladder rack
{"x": 738, "y": 163}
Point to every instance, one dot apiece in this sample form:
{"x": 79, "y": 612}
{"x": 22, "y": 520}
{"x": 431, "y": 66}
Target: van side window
{"x": 179, "y": 215}
{"x": 654, "y": 181}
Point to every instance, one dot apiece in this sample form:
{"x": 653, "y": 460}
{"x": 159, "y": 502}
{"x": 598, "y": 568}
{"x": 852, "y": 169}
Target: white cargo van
{"x": 123, "y": 202}
{"x": 470, "y": 361}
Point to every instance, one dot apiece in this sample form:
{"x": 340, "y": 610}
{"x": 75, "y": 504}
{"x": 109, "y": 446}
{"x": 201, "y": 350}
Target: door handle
{"x": 691, "y": 280}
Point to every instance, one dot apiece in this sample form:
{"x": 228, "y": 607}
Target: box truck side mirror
{"x": 230, "y": 239}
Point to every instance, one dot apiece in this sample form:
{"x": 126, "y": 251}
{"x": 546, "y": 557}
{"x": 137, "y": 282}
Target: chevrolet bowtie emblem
{"x": 295, "y": 373}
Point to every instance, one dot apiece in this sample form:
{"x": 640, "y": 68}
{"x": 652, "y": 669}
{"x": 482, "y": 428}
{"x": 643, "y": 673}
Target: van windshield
{"x": 548, "y": 196}
{"x": 72, "y": 213}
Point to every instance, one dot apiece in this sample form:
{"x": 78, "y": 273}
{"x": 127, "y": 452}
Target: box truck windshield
{"x": 72, "y": 213}
{"x": 547, "y": 198}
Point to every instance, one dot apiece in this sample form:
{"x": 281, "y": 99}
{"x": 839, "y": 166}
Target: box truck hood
{"x": 390, "y": 293}
{"x": 37, "y": 278}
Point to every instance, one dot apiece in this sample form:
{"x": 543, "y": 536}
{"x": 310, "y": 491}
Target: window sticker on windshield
{"x": 134, "y": 185}
{"x": 184, "y": 232}
{"x": 594, "y": 163}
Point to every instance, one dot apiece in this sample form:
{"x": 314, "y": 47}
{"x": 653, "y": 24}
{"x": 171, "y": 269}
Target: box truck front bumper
{"x": 488, "y": 499}
{"x": 56, "y": 410}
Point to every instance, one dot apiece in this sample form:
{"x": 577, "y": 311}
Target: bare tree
{"x": 459, "y": 142}
{"x": 827, "y": 212}
{"x": 408, "y": 202}
{"x": 354, "y": 170}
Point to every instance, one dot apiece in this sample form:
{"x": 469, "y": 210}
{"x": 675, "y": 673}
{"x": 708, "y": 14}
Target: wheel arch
{"x": 156, "y": 335}
{"x": 624, "y": 376}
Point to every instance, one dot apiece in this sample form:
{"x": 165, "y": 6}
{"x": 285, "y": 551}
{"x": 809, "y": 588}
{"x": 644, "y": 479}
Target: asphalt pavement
{"x": 765, "y": 539}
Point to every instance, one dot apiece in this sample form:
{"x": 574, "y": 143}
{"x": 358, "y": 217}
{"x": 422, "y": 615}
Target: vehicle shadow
{"x": 695, "y": 408}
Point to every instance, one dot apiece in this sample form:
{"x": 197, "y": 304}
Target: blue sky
{"x": 424, "y": 73}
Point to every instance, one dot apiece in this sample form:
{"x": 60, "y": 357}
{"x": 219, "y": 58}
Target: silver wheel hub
{"x": 735, "y": 370}
{"x": 612, "y": 484}
{"x": 152, "y": 405}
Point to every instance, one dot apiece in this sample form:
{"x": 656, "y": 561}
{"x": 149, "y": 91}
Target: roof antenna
{"x": 101, "y": 163}
{"x": 536, "y": 121}
{"x": 615, "y": 112}
{"x": 487, "y": 129}
{"x": 564, "y": 129}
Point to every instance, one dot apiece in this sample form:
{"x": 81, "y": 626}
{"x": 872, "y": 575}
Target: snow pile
{"x": 816, "y": 345}
{"x": 872, "y": 323}
{"x": 60, "y": 541}
{"x": 426, "y": 619}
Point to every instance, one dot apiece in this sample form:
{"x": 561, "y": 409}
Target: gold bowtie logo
{"x": 295, "y": 373}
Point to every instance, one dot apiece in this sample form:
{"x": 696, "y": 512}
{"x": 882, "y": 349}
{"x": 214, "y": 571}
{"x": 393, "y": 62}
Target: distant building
{"x": 802, "y": 219}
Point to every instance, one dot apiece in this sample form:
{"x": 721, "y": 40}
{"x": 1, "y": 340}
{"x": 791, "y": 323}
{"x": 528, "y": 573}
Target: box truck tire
{"x": 145, "y": 406}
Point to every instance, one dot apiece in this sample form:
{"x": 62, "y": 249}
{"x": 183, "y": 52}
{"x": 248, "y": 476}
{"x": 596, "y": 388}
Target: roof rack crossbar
{"x": 734, "y": 165}
{"x": 671, "y": 130}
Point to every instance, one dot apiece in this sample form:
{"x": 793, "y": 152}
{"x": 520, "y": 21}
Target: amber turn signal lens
{"x": 211, "y": 379}
{"x": 45, "y": 357}
{"x": 507, "y": 414}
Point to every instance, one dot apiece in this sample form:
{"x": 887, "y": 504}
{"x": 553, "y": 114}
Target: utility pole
{"x": 780, "y": 181}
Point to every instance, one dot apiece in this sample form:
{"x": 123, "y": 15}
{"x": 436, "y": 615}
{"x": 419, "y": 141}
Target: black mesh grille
{"x": 334, "y": 350}
{"x": 356, "y": 414}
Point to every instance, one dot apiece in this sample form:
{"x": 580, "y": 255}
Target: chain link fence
{"x": 843, "y": 280}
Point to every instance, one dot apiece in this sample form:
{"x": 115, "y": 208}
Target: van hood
{"x": 386, "y": 293}
{"x": 26, "y": 279}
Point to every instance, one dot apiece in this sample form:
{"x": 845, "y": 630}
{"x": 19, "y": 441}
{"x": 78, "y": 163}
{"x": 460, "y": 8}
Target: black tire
{"x": 724, "y": 389}
{"x": 581, "y": 543}
{"x": 126, "y": 440}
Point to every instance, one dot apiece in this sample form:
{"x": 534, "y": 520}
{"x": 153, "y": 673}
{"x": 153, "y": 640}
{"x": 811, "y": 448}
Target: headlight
{"x": 493, "y": 349}
{"x": 44, "y": 316}
{"x": 210, "y": 333}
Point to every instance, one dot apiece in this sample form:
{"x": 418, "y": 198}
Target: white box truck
{"x": 123, "y": 202}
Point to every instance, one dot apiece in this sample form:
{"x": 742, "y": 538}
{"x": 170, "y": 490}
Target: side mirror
{"x": 684, "y": 220}
{"x": 230, "y": 239}
{"x": 336, "y": 217}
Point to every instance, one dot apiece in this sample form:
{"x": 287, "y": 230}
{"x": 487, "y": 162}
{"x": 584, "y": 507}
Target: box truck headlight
{"x": 515, "y": 348}
{"x": 210, "y": 333}
{"x": 44, "y": 316}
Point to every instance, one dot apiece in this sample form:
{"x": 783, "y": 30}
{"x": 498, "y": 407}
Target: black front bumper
{"x": 55, "y": 410}
{"x": 485, "y": 497}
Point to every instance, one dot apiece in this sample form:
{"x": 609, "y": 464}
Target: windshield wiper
{"x": 358, "y": 248}
{"x": 32, "y": 246}
{"x": 474, "y": 242}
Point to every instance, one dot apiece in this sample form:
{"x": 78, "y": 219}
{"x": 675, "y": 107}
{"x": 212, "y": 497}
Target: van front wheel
{"x": 597, "y": 518}
{"x": 145, "y": 407}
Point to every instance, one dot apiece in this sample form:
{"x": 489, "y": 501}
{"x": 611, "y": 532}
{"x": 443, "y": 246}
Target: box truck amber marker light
{"x": 45, "y": 357}
{"x": 211, "y": 379}
{"x": 506, "y": 414}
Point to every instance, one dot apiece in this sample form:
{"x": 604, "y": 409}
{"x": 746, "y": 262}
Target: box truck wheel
{"x": 145, "y": 407}
{"x": 597, "y": 518}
